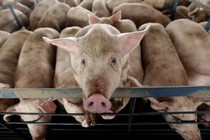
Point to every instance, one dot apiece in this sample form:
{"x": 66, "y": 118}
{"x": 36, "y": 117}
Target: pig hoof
{"x": 85, "y": 124}
{"x": 108, "y": 117}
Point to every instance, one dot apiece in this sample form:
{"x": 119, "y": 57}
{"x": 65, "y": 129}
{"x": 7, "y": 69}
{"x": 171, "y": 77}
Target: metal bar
{"x": 173, "y": 9}
{"x": 131, "y": 111}
{"x": 117, "y": 114}
{"x": 120, "y": 92}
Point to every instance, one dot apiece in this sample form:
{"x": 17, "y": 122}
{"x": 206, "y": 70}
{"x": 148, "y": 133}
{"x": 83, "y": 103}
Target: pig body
{"x": 98, "y": 72}
{"x": 35, "y": 69}
{"x": 8, "y": 22}
{"x": 194, "y": 54}
{"x": 38, "y": 12}
{"x": 9, "y": 56}
{"x": 163, "y": 67}
{"x": 193, "y": 50}
{"x": 87, "y": 4}
{"x": 138, "y": 13}
{"x": 55, "y": 17}
{"x": 78, "y": 16}
{"x": 3, "y": 37}
{"x": 17, "y": 5}
{"x": 111, "y": 4}
{"x": 8, "y": 62}
{"x": 99, "y": 8}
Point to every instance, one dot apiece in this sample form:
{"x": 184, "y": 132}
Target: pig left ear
{"x": 92, "y": 19}
{"x": 157, "y": 105}
{"x": 129, "y": 41}
{"x": 69, "y": 44}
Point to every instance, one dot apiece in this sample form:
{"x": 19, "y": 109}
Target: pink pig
{"x": 99, "y": 53}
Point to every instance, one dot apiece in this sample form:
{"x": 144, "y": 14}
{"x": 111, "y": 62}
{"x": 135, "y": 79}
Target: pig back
{"x": 3, "y": 37}
{"x": 35, "y": 67}
{"x": 141, "y": 13}
{"x": 8, "y": 22}
{"x": 192, "y": 44}
{"x": 161, "y": 63}
{"x": 9, "y": 55}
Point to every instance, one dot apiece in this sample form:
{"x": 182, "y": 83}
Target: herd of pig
{"x": 98, "y": 46}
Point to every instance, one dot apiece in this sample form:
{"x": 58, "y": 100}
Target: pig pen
{"x": 130, "y": 123}
{"x": 135, "y": 121}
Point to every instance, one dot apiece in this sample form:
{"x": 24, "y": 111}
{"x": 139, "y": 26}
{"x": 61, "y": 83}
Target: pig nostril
{"x": 91, "y": 104}
{"x": 103, "y": 104}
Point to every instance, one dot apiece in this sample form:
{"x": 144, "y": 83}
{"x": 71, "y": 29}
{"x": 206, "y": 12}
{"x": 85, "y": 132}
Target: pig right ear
{"x": 69, "y": 44}
{"x": 160, "y": 106}
{"x": 129, "y": 41}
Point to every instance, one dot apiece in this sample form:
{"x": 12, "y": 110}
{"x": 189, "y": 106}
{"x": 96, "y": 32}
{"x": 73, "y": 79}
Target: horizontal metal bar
{"x": 117, "y": 114}
{"x": 119, "y": 92}
{"x": 110, "y": 124}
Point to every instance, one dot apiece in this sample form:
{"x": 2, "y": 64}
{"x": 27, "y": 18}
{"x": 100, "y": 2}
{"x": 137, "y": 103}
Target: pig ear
{"x": 157, "y": 105}
{"x": 69, "y": 44}
{"x": 129, "y": 41}
{"x": 116, "y": 17}
{"x": 10, "y": 109}
{"x": 92, "y": 19}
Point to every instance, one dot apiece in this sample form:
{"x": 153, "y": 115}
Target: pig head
{"x": 189, "y": 131}
{"x": 37, "y": 131}
{"x": 99, "y": 53}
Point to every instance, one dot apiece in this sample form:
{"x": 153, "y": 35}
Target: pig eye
{"x": 113, "y": 61}
{"x": 83, "y": 61}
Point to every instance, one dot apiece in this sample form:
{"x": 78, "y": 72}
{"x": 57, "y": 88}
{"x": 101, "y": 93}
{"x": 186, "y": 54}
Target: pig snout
{"x": 97, "y": 103}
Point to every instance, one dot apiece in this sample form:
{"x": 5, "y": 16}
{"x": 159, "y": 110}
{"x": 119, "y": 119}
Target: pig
{"x": 55, "y": 17}
{"x": 197, "y": 13}
{"x": 8, "y": 62}
{"x": 17, "y": 5}
{"x": 71, "y": 3}
{"x": 182, "y": 12}
{"x": 3, "y": 37}
{"x": 111, "y": 4}
{"x": 35, "y": 69}
{"x": 9, "y": 23}
{"x": 165, "y": 4}
{"x": 38, "y": 12}
{"x": 78, "y": 16}
{"x": 193, "y": 52}
{"x": 163, "y": 67}
{"x": 138, "y": 13}
{"x": 87, "y": 4}
{"x": 9, "y": 56}
{"x": 97, "y": 65}
{"x": 99, "y": 8}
